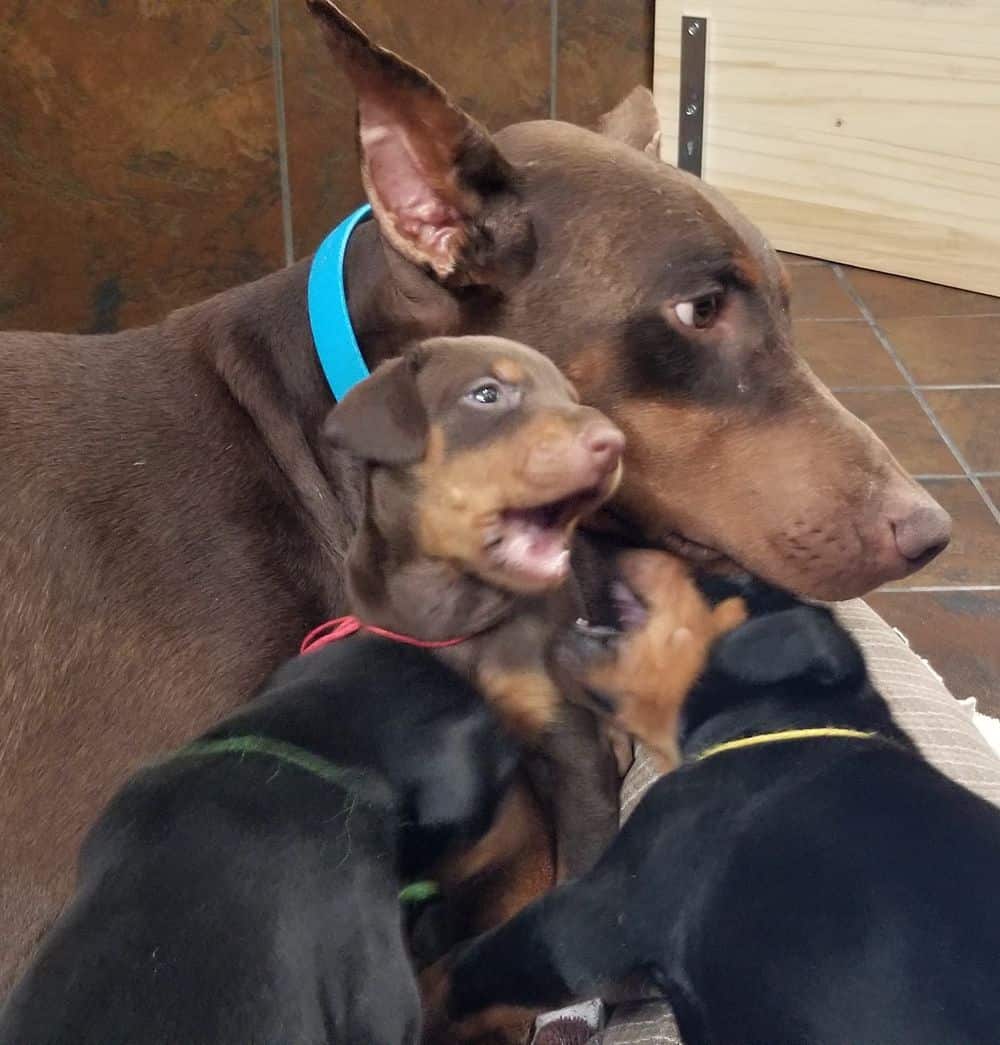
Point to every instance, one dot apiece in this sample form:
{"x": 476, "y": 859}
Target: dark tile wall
{"x": 605, "y": 48}
{"x": 138, "y": 158}
{"x": 141, "y": 140}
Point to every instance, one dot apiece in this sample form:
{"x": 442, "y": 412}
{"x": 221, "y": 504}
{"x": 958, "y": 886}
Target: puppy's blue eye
{"x": 487, "y": 393}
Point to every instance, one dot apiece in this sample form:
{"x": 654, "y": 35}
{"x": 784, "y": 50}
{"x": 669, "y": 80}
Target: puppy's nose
{"x": 604, "y": 442}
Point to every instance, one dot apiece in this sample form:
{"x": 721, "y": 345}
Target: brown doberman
{"x": 170, "y": 524}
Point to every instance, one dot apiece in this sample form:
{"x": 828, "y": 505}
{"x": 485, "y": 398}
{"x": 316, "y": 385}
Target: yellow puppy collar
{"x": 816, "y": 733}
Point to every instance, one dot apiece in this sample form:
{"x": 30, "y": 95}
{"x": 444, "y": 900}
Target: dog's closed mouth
{"x": 670, "y": 541}
{"x": 534, "y": 542}
{"x": 691, "y": 550}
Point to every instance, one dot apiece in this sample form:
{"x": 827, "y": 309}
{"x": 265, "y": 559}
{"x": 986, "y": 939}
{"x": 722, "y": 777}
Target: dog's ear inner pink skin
{"x": 439, "y": 187}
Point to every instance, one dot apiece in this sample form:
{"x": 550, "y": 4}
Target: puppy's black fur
{"x": 231, "y": 899}
{"x": 829, "y": 891}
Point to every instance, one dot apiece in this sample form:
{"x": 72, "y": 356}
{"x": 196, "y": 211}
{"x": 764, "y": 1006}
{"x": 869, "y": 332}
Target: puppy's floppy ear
{"x": 803, "y": 644}
{"x": 382, "y": 419}
{"x": 443, "y": 195}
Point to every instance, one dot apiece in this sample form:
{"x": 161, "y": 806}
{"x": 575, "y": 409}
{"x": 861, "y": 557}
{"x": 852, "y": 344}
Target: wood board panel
{"x": 866, "y": 132}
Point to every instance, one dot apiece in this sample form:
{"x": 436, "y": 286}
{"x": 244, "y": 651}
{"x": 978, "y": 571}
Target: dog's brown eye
{"x": 699, "y": 313}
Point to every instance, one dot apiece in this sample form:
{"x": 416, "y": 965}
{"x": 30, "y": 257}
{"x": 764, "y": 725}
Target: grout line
{"x": 901, "y": 386}
{"x": 279, "y": 103}
{"x": 990, "y": 499}
{"x": 930, "y": 588}
{"x": 955, "y": 475}
{"x": 553, "y": 57}
{"x": 928, "y": 315}
{"x": 825, "y": 319}
{"x": 957, "y": 388}
{"x": 915, "y": 389}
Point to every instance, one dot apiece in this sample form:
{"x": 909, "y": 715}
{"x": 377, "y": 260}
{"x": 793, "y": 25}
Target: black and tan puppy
{"x": 804, "y": 876}
{"x": 246, "y": 890}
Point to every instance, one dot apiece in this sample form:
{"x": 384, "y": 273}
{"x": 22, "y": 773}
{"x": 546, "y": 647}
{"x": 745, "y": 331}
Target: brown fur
{"x": 171, "y": 523}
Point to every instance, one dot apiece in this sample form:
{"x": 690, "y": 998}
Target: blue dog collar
{"x": 337, "y": 348}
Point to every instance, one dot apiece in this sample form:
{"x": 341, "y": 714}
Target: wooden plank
{"x": 866, "y": 132}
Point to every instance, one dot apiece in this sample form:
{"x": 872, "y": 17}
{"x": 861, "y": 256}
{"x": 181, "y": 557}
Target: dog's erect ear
{"x": 803, "y": 644}
{"x": 382, "y": 419}
{"x": 634, "y": 121}
{"x": 440, "y": 190}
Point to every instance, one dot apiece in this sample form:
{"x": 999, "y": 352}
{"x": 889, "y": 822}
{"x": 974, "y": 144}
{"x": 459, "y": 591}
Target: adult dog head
{"x": 665, "y": 306}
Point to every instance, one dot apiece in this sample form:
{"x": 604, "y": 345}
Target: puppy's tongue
{"x": 531, "y": 548}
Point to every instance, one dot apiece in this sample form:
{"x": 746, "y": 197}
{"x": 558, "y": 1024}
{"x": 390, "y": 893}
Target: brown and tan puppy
{"x": 479, "y": 464}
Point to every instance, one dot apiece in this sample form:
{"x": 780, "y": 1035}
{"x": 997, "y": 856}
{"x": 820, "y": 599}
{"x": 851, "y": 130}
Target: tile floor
{"x": 921, "y": 364}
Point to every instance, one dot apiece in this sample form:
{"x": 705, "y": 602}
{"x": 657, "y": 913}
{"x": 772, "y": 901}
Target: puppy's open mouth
{"x": 629, "y": 613}
{"x": 534, "y": 542}
{"x": 585, "y": 646}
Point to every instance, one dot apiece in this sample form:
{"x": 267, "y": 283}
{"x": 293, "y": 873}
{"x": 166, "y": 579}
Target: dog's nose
{"x": 604, "y": 442}
{"x": 922, "y": 532}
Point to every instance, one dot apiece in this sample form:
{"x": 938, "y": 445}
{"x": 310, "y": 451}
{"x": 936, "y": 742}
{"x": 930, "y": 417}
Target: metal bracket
{"x": 691, "y": 115}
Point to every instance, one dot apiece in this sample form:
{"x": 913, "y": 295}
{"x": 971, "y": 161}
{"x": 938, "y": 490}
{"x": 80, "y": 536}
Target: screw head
{"x": 690, "y": 109}
{"x": 694, "y": 28}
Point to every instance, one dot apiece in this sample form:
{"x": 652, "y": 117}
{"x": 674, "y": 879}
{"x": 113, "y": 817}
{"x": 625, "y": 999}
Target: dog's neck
{"x": 258, "y": 341}
{"x": 862, "y": 709}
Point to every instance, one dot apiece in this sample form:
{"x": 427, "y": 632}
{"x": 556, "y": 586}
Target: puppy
{"x": 246, "y": 889}
{"x": 804, "y": 877}
{"x": 479, "y": 463}
{"x": 672, "y": 629}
